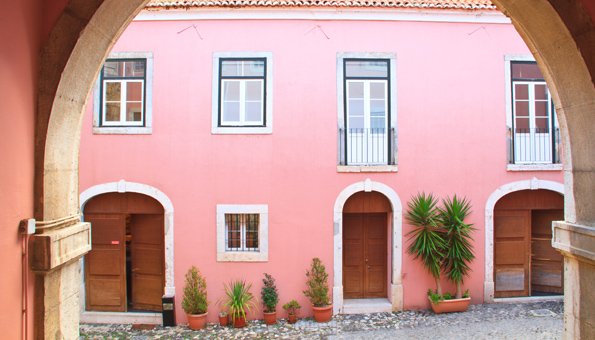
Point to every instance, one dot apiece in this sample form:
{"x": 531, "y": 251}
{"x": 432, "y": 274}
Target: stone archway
{"x": 560, "y": 34}
{"x": 396, "y": 286}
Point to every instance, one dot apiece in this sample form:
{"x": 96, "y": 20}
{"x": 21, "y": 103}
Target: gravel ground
{"x": 537, "y": 320}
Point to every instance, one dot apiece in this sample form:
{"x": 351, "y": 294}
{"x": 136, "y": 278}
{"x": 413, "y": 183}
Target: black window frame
{"x": 390, "y": 160}
{"x": 221, "y": 77}
{"x": 102, "y": 77}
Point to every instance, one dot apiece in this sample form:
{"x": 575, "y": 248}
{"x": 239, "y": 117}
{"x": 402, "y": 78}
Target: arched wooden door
{"x": 365, "y": 234}
{"x": 525, "y": 263}
{"x": 125, "y": 269}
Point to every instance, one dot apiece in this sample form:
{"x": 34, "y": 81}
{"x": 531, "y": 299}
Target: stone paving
{"x": 535, "y": 320}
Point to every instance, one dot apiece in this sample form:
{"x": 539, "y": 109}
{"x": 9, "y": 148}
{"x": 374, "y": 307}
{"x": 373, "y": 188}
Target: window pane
{"x": 356, "y": 89}
{"x": 356, "y": 107}
{"x": 112, "y": 113}
{"x": 254, "y": 112}
{"x": 377, "y": 90}
{"x": 113, "y": 69}
{"x": 112, "y": 91}
{"x": 134, "y": 68}
{"x": 233, "y": 231}
{"x": 522, "y": 109}
{"x": 254, "y": 90}
{"x": 231, "y": 112}
{"x": 356, "y": 122}
{"x": 541, "y": 125}
{"x": 377, "y": 125}
{"x": 526, "y": 71}
{"x": 231, "y": 90}
{"x": 522, "y": 125}
{"x": 377, "y": 108}
{"x": 541, "y": 92}
{"x": 521, "y": 91}
{"x": 366, "y": 68}
{"x": 134, "y": 112}
{"x": 134, "y": 91}
{"x": 238, "y": 68}
{"x": 252, "y": 222}
{"x": 541, "y": 108}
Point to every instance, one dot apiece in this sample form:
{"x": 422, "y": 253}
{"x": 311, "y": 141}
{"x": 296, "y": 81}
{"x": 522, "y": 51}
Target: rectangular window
{"x": 123, "y": 93}
{"x": 242, "y": 94}
{"x": 241, "y": 232}
{"x": 367, "y": 134}
{"x": 534, "y": 132}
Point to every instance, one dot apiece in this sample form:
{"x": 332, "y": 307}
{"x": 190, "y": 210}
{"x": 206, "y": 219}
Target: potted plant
{"x": 270, "y": 298}
{"x": 292, "y": 308}
{"x": 223, "y": 318}
{"x": 458, "y": 249}
{"x": 442, "y": 241}
{"x": 239, "y": 300}
{"x": 318, "y": 291}
{"x": 194, "y": 300}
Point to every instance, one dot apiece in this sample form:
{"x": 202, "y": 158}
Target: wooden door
{"x": 512, "y": 252}
{"x": 147, "y": 253}
{"x": 546, "y": 263}
{"x": 105, "y": 264}
{"x": 364, "y": 255}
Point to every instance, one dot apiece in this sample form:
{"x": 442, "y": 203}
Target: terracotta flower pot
{"x": 239, "y": 322}
{"x": 270, "y": 318}
{"x": 197, "y": 321}
{"x": 323, "y": 314}
{"x": 291, "y": 318}
{"x": 223, "y": 320}
{"x": 448, "y": 306}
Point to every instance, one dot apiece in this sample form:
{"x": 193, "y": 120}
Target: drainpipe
{"x": 26, "y": 228}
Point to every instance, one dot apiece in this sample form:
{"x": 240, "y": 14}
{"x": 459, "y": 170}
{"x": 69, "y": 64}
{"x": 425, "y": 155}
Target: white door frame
{"x": 396, "y": 291}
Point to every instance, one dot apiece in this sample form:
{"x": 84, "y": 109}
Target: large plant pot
{"x": 323, "y": 314}
{"x": 197, "y": 321}
{"x": 449, "y": 306}
{"x": 270, "y": 318}
{"x": 239, "y": 322}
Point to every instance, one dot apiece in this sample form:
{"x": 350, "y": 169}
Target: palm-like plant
{"x": 457, "y": 237}
{"x": 239, "y": 299}
{"x": 427, "y": 242}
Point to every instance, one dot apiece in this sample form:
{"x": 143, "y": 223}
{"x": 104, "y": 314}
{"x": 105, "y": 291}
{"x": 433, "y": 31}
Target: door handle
{"x": 134, "y": 270}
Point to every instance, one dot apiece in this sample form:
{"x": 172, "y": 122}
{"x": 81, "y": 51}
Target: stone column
{"x": 577, "y": 244}
{"x": 55, "y": 254}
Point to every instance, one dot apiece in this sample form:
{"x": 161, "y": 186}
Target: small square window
{"x": 242, "y": 93}
{"x": 242, "y": 233}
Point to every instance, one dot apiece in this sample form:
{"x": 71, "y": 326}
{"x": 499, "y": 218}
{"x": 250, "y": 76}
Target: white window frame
{"x": 391, "y": 97}
{"x": 508, "y": 59}
{"x": 224, "y": 255}
{"x": 126, "y": 127}
{"x": 267, "y": 103}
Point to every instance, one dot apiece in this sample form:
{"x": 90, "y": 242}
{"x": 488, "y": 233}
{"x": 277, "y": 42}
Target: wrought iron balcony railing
{"x": 371, "y": 146}
{"x": 533, "y": 146}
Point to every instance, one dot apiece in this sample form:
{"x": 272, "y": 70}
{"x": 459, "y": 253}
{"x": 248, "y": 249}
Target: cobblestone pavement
{"x": 536, "y": 320}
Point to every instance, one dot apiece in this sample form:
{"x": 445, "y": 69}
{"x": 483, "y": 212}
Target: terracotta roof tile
{"x": 419, "y": 4}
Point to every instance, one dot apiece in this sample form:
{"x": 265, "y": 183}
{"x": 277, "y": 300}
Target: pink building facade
{"x": 258, "y": 131}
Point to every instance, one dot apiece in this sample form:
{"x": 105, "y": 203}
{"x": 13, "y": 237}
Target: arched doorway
{"x": 525, "y": 263}
{"x": 365, "y": 242}
{"x": 559, "y": 32}
{"x": 358, "y": 206}
{"x": 125, "y": 270}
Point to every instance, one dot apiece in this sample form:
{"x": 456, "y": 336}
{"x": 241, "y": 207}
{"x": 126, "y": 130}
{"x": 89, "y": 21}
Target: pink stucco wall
{"x": 451, "y": 137}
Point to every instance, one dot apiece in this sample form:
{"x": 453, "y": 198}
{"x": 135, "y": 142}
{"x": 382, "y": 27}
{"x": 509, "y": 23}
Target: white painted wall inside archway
{"x": 532, "y": 184}
{"x": 368, "y": 185}
{"x": 123, "y": 186}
